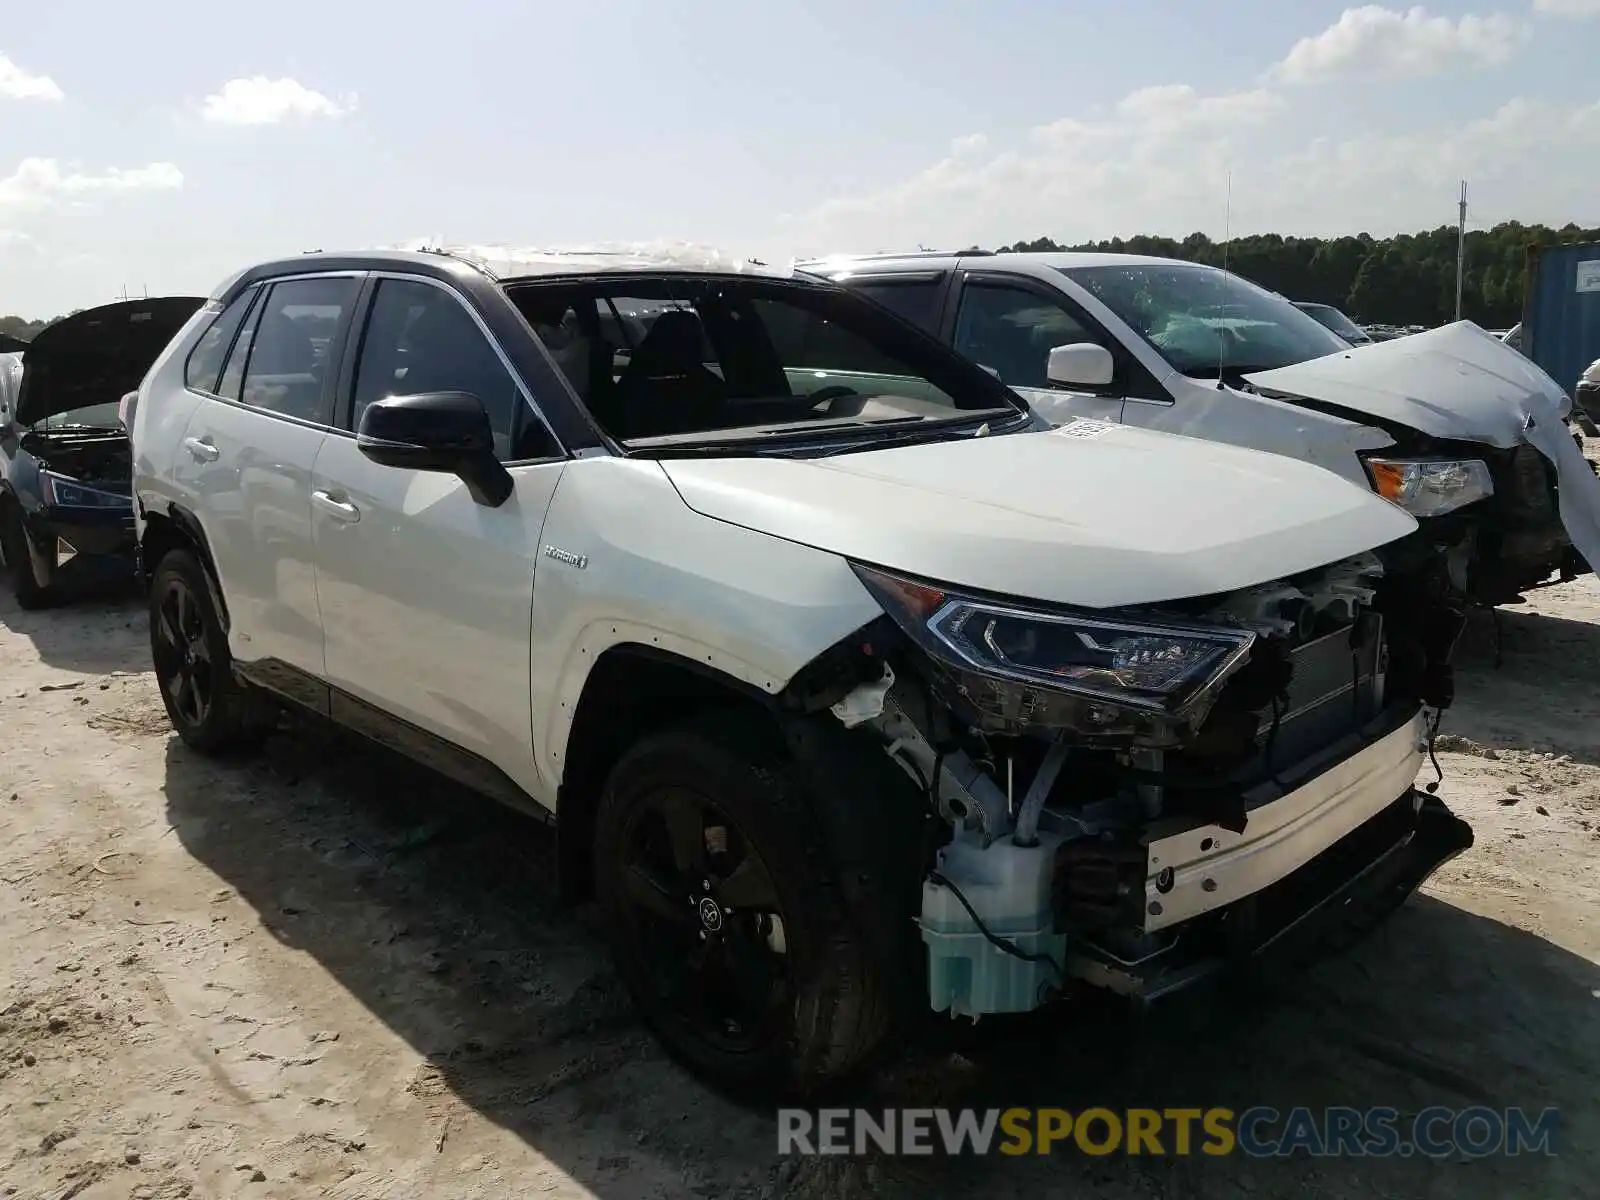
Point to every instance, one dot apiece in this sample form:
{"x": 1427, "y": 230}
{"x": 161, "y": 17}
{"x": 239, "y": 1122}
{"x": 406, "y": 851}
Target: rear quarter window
{"x": 204, "y": 365}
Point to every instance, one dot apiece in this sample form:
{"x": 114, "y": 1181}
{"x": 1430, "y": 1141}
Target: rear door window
{"x": 290, "y": 350}
{"x": 916, "y": 300}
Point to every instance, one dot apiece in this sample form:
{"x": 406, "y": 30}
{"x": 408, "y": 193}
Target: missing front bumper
{"x": 1202, "y": 868}
{"x": 1317, "y": 911}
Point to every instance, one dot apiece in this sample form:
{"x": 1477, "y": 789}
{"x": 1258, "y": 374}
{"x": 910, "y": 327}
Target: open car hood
{"x": 1089, "y": 514}
{"x": 95, "y": 356}
{"x": 1456, "y": 382}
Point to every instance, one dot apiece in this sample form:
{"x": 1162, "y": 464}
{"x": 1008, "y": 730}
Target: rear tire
{"x": 25, "y": 586}
{"x": 719, "y": 801}
{"x": 212, "y": 711}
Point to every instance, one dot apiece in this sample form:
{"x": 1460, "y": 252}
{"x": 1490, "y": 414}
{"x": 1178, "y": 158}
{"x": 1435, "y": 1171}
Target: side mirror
{"x": 437, "y": 431}
{"x": 1082, "y": 364}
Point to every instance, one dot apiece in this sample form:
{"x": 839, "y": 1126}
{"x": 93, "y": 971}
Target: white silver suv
{"x": 852, "y": 693}
{"x": 1441, "y": 422}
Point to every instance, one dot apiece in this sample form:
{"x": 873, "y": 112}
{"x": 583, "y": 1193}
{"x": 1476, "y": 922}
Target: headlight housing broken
{"x": 1430, "y": 487}
{"x": 1107, "y": 674}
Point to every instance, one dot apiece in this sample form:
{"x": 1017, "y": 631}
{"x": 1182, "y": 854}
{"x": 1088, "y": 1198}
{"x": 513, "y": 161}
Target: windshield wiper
{"x": 803, "y": 433}
{"x": 856, "y": 423}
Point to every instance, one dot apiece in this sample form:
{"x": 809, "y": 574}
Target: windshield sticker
{"x": 1589, "y": 275}
{"x": 1086, "y": 427}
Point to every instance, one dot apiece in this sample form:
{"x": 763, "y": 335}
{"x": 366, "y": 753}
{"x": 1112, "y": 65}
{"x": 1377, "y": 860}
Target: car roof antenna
{"x": 1227, "y": 236}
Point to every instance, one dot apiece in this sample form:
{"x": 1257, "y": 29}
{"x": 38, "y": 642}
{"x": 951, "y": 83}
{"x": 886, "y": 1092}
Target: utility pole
{"x": 1461, "y": 247}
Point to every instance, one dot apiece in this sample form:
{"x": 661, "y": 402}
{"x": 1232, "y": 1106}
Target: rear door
{"x": 247, "y": 456}
{"x": 426, "y": 596}
{"x": 917, "y": 296}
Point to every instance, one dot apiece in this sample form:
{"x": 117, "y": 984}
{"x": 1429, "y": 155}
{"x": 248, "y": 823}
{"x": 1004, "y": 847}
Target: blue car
{"x": 66, "y": 518}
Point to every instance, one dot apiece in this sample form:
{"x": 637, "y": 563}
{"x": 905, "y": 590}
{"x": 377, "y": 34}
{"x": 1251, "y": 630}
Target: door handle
{"x": 202, "y": 449}
{"x": 336, "y": 506}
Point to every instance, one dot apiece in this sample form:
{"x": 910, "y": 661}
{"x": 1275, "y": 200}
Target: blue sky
{"x": 164, "y": 144}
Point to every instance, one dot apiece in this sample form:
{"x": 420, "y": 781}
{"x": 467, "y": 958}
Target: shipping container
{"x": 1561, "y": 310}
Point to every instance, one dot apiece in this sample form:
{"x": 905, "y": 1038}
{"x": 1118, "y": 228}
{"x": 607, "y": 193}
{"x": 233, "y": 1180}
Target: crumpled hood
{"x": 1457, "y": 382}
{"x": 1089, "y": 514}
{"x": 97, "y": 355}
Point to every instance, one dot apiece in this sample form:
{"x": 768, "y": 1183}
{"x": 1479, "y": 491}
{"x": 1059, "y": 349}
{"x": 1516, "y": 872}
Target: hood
{"x": 1089, "y": 514}
{"x": 12, "y": 345}
{"x": 95, "y": 356}
{"x": 1456, "y": 382}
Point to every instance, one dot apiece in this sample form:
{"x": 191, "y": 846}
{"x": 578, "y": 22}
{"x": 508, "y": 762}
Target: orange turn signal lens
{"x": 1388, "y": 479}
{"x": 917, "y": 599}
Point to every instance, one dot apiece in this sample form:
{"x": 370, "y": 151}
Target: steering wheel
{"x": 830, "y": 396}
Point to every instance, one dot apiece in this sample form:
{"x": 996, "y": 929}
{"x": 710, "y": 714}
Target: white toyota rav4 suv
{"x": 852, "y": 691}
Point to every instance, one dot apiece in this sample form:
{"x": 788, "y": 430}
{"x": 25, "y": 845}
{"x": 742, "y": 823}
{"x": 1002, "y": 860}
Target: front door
{"x": 426, "y": 595}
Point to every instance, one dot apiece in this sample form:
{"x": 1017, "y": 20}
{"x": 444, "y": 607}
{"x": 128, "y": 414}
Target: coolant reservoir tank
{"x": 1008, "y": 886}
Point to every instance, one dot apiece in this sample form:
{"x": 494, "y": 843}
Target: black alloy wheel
{"x": 182, "y": 658}
{"x": 728, "y": 921}
{"x": 212, "y": 711}
{"x": 705, "y": 914}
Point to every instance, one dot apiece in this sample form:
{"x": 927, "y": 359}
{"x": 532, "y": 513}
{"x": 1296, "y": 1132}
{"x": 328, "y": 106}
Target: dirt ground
{"x": 323, "y": 973}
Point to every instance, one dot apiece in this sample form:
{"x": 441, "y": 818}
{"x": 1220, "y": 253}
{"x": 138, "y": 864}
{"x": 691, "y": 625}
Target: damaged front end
{"x": 1509, "y": 538}
{"x": 1484, "y": 455}
{"x": 1137, "y": 799}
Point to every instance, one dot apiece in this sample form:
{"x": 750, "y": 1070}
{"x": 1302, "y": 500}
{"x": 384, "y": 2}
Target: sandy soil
{"x": 324, "y": 974}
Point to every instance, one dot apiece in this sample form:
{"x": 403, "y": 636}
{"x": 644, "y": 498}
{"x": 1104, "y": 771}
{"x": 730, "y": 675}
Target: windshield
{"x": 93, "y": 416}
{"x": 1332, "y": 318}
{"x": 1199, "y": 318}
{"x": 663, "y": 360}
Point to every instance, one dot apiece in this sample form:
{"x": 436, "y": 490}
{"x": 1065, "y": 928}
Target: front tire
{"x": 211, "y": 710}
{"x": 726, "y": 916}
{"x": 25, "y": 586}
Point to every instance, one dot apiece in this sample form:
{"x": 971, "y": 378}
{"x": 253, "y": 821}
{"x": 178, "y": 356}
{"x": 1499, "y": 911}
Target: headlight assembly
{"x": 1097, "y": 672}
{"x": 1430, "y": 487}
{"x": 60, "y": 491}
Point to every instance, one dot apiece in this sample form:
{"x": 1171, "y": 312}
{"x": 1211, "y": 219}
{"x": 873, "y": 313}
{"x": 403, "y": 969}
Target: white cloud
{"x": 1160, "y": 160}
{"x": 1569, "y": 8}
{"x": 41, "y": 182}
{"x": 258, "y": 100}
{"x": 1155, "y": 149}
{"x": 17, "y": 84}
{"x": 1374, "y": 42}
{"x": 1178, "y": 106}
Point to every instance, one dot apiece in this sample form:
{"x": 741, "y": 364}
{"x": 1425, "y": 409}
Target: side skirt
{"x": 312, "y": 696}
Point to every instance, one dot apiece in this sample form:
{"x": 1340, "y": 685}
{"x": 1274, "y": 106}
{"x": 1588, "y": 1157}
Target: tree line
{"x": 22, "y": 327}
{"x": 1409, "y": 279}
